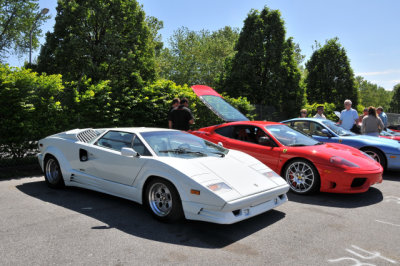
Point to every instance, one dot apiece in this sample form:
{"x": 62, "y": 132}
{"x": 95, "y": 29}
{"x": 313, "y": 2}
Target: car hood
{"x": 323, "y": 153}
{"x": 244, "y": 174}
{"x": 214, "y": 101}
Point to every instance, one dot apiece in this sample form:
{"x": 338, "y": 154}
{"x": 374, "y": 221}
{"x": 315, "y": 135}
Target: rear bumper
{"x": 356, "y": 181}
{"x": 237, "y": 210}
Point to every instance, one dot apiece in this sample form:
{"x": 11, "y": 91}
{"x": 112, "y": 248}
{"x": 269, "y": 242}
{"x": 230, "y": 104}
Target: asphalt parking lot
{"x": 43, "y": 226}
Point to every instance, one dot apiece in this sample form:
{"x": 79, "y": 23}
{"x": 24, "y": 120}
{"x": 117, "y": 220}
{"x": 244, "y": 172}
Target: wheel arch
{"x": 297, "y": 158}
{"x": 379, "y": 150}
{"x": 152, "y": 177}
{"x": 62, "y": 160}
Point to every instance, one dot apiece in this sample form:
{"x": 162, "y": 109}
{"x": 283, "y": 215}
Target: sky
{"x": 369, "y": 30}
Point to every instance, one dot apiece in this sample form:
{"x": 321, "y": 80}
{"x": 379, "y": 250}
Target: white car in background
{"x": 173, "y": 173}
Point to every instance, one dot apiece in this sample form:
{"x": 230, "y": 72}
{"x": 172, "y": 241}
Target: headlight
{"x": 219, "y": 187}
{"x": 339, "y": 161}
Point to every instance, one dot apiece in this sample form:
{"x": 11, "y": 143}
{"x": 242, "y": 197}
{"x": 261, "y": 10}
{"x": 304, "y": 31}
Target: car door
{"x": 106, "y": 161}
{"x": 244, "y": 138}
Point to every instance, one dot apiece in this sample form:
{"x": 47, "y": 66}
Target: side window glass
{"x": 139, "y": 147}
{"x": 225, "y": 131}
{"x": 317, "y": 130}
{"x": 303, "y": 126}
{"x": 116, "y": 140}
{"x": 245, "y": 133}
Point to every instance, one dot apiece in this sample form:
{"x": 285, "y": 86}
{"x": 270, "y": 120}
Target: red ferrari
{"x": 306, "y": 164}
{"x": 390, "y": 134}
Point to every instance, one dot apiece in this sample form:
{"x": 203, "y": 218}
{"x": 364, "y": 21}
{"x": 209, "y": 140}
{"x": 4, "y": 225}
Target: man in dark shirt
{"x": 181, "y": 117}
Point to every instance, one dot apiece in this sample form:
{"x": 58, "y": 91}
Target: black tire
{"x": 302, "y": 177}
{"x": 163, "y": 201}
{"x": 376, "y": 154}
{"x": 52, "y": 172}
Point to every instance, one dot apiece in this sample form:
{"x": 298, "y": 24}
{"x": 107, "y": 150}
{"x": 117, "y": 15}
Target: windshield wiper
{"x": 219, "y": 153}
{"x": 184, "y": 151}
{"x": 319, "y": 143}
{"x": 297, "y": 145}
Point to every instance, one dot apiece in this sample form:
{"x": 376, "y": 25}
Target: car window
{"x": 290, "y": 137}
{"x": 116, "y": 140}
{"x": 139, "y": 147}
{"x": 303, "y": 126}
{"x": 181, "y": 144}
{"x": 316, "y": 129}
{"x": 225, "y": 131}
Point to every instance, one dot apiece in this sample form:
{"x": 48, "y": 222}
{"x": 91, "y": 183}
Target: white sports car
{"x": 173, "y": 173}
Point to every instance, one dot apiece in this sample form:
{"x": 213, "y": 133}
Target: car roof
{"x": 137, "y": 129}
{"x": 306, "y": 119}
{"x": 254, "y": 123}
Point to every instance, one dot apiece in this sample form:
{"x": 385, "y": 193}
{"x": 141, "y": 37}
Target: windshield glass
{"x": 337, "y": 129}
{"x": 223, "y": 109}
{"x": 290, "y": 137}
{"x": 181, "y": 144}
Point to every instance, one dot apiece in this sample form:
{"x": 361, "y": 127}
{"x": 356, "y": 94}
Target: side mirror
{"x": 220, "y": 144}
{"x": 129, "y": 152}
{"x": 326, "y": 132}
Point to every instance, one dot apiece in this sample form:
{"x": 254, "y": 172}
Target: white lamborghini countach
{"x": 173, "y": 173}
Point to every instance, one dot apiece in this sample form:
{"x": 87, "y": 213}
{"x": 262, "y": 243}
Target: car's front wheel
{"x": 302, "y": 176}
{"x": 376, "y": 155}
{"x": 163, "y": 201}
{"x": 52, "y": 173}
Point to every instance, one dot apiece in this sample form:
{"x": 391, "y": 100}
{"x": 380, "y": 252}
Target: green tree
{"x": 17, "y": 19}
{"x": 197, "y": 57}
{"x": 103, "y": 40}
{"x": 395, "y": 103}
{"x": 264, "y": 68}
{"x": 330, "y": 76}
{"x": 372, "y": 95}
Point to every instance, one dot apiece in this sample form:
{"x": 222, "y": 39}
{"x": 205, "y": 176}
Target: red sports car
{"x": 306, "y": 164}
{"x": 390, "y": 134}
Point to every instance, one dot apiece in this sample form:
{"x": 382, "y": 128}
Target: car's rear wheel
{"x": 163, "y": 201}
{"x": 376, "y": 155}
{"x": 52, "y": 173}
{"x": 302, "y": 176}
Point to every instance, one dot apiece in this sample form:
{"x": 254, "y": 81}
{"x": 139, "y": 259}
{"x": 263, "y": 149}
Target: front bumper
{"x": 237, "y": 210}
{"x": 353, "y": 181}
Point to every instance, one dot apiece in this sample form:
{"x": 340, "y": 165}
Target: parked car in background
{"x": 306, "y": 164}
{"x": 173, "y": 173}
{"x": 390, "y": 134}
{"x": 384, "y": 151}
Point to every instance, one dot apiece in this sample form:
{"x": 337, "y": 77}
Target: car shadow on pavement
{"x": 392, "y": 175}
{"x": 134, "y": 219}
{"x": 372, "y": 196}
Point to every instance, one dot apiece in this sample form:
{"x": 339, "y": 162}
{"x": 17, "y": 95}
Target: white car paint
{"x": 255, "y": 188}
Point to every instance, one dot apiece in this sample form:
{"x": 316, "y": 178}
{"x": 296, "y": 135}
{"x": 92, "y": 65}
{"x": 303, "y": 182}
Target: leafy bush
{"x": 329, "y": 109}
{"x": 30, "y": 109}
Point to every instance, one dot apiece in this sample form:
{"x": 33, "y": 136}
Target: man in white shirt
{"x": 320, "y": 112}
{"x": 348, "y": 117}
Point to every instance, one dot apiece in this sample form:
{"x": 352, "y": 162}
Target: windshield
{"x": 290, "y": 137}
{"x": 223, "y": 109}
{"x": 337, "y": 129}
{"x": 181, "y": 144}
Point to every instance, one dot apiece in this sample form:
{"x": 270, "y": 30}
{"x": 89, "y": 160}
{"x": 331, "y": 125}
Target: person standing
{"x": 371, "y": 125}
{"x": 181, "y": 117}
{"x": 320, "y": 112}
{"x": 382, "y": 116}
{"x": 175, "y": 103}
{"x": 348, "y": 117}
{"x": 303, "y": 113}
